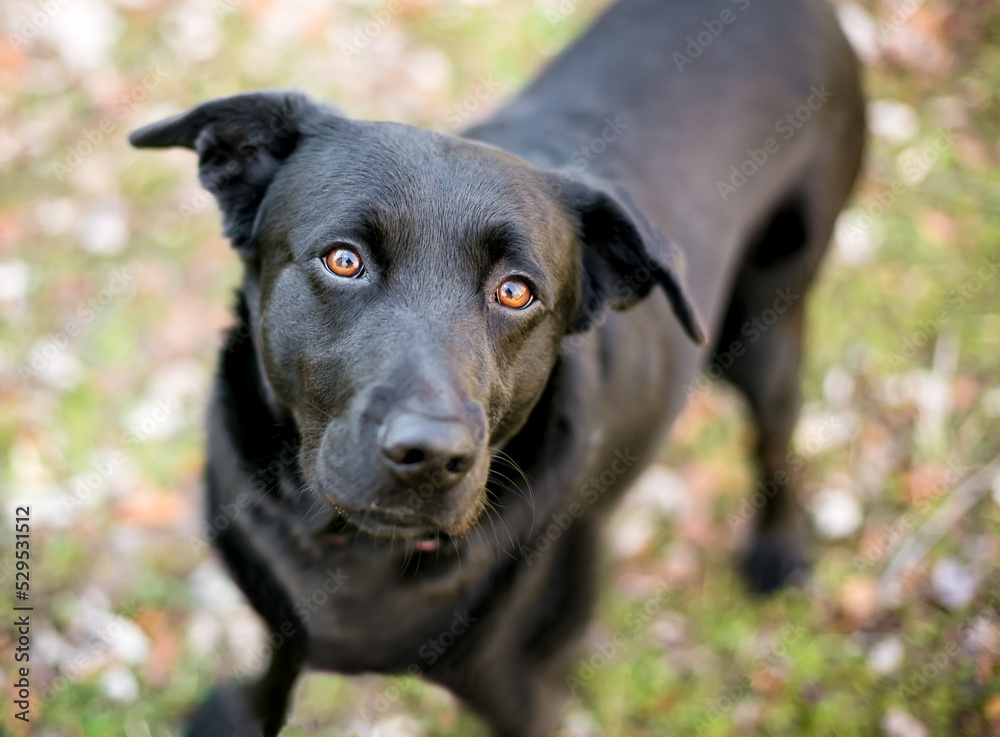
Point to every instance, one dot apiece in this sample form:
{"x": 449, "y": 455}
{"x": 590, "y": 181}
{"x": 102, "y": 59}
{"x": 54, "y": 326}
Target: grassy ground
{"x": 114, "y": 286}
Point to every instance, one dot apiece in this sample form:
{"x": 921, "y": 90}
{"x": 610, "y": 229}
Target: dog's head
{"x": 409, "y": 292}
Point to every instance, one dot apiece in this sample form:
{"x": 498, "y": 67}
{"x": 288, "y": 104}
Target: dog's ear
{"x": 241, "y": 142}
{"x": 625, "y": 257}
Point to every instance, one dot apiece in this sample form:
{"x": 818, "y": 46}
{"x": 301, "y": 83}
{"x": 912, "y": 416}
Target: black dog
{"x": 431, "y": 362}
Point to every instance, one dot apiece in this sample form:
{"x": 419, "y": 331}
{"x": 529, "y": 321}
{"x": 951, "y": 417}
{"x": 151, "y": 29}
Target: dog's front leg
{"x": 515, "y": 695}
{"x": 226, "y": 713}
{"x": 511, "y": 667}
{"x": 256, "y": 710}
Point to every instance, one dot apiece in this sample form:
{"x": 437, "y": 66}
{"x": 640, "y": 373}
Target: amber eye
{"x": 344, "y": 262}
{"x": 515, "y": 294}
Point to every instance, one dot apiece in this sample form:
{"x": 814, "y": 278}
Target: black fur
{"x": 406, "y": 476}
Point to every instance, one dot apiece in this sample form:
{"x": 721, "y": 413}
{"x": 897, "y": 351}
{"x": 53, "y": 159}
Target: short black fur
{"x": 405, "y": 475}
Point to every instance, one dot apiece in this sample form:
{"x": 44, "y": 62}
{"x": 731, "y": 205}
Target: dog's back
{"x": 668, "y": 96}
{"x": 738, "y": 128}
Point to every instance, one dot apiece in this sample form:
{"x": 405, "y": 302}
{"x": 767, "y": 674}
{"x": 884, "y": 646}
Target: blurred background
{"x": 115, "y": 286}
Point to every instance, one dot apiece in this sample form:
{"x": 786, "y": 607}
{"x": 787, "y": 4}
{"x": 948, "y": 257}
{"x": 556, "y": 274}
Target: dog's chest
{"x": 366, "y": 606}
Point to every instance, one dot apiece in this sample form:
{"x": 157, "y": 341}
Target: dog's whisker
{"x": 506, "y": 459}
{"x": 513, "y": 543}
{"x": 491, "y": 507}
{"x": 509, "y": 486}
{"x": 315, "y": 511}
{"x": 498, "y": 505}
{"x": 486, "y": 515}
{"x": 514, "y": 539}
{"x": 527, "y": 484}
{"x": 480, "y": 531}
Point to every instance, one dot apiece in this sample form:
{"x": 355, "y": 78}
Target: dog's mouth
{"x": 346, "y": 527}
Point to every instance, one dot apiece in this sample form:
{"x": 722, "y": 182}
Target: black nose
{"x": 417, "y": 449}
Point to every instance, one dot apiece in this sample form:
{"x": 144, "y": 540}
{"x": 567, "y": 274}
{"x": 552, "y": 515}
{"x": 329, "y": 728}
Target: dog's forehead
{"x": 419, "y": 184}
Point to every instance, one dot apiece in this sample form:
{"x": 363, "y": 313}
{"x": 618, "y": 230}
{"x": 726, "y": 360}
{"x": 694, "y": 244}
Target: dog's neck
{"x": 255, "y": 406}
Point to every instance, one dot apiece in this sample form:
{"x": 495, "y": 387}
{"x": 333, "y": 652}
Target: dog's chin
{"x": 396, "y": 514}
{"x": 390, "y": 527}
{"x": 421, "y": 537}
{"x": 420, "y": 531}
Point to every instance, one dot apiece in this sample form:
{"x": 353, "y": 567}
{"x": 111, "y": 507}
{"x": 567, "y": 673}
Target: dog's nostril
{"x": 418, "y": 448}
{"x": 413, "y": 457}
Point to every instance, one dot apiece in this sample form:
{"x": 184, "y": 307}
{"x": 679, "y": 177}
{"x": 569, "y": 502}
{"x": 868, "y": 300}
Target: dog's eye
{"x": 515, "y": 294}
{"x": 344, "y": 262}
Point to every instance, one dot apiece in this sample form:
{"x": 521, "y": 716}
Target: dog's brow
{"x": 369, "y": 224}
{"x": 375, "y": 225}
{"x": 508, "y": 243}
{"x": 500, "y": 240}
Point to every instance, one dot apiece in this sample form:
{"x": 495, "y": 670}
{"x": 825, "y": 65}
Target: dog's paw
{"x": 225, "y": 714}
{"x": 774, "y": 561}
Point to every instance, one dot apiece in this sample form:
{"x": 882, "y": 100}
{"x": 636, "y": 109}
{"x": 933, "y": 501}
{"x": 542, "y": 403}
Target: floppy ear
{"x": 241, "y": 142}
{"x": 625, "y": 257}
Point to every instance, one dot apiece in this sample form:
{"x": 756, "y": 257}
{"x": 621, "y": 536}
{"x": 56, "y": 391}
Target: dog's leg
{"x": 765, "y": 321}
{"x": 516, "y": 693}
{"x": 776, "y": 553}
{"x": 513, "y": 699}
{"x": 257, "y": 710}
{"x": 512, "y": 669}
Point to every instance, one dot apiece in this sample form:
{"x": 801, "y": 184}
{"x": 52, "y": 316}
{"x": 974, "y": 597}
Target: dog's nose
{"x": 418, "y": 449}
